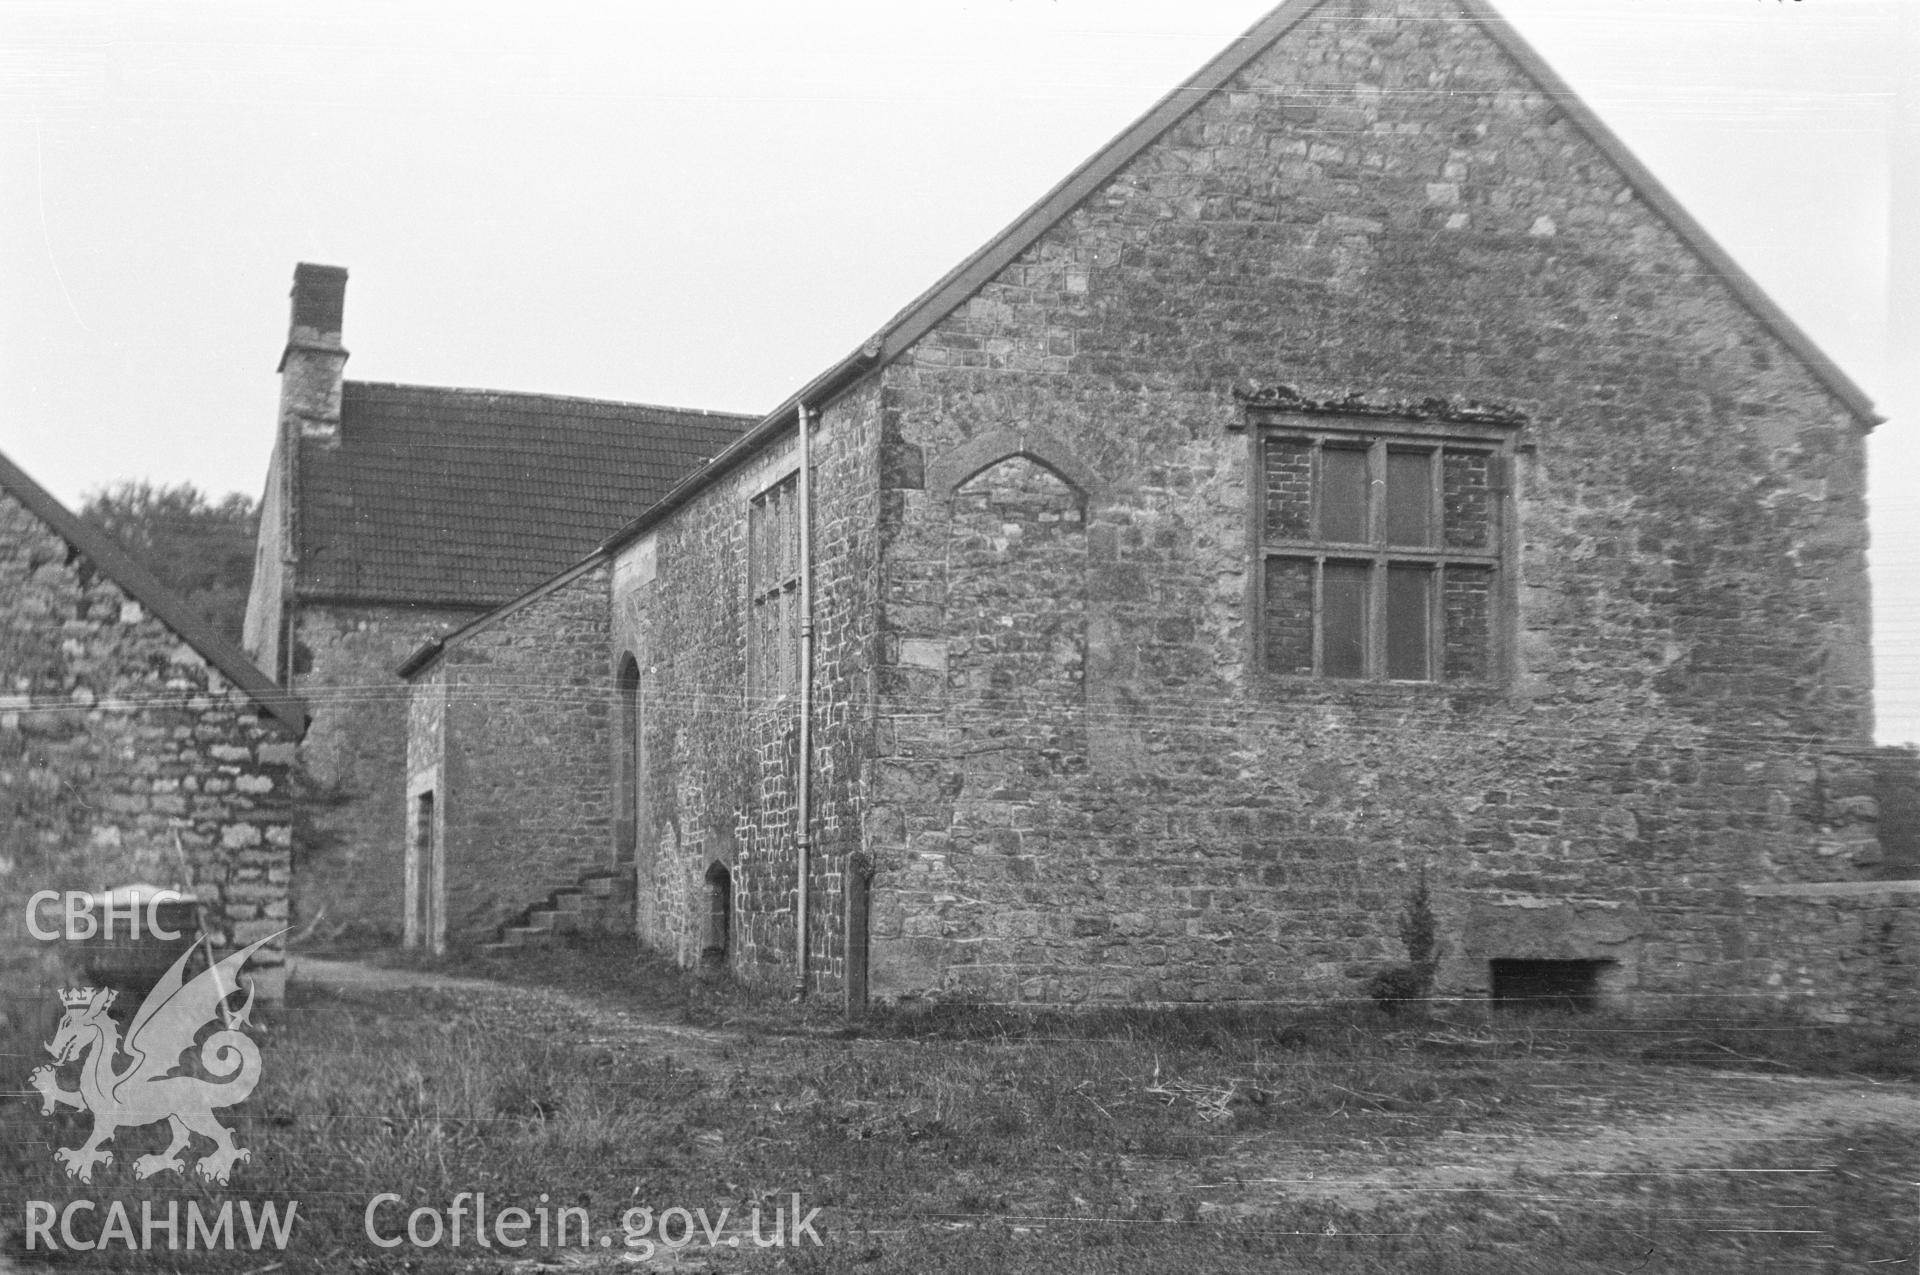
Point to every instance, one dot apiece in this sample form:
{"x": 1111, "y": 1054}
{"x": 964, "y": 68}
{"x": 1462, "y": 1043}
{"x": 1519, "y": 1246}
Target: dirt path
{"x": 1673, "y": 1122}
{"x": 590, "y": 1021}
{"x": 1610, "y": 1133}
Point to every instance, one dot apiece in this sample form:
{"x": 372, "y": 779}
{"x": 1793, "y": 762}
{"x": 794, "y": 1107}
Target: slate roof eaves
{"x": 167, "y": 606}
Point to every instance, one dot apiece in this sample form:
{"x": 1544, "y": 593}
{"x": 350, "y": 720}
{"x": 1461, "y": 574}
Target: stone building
{"x": 1359, "y": 473}
{"x": 393, "y": 513}
{"x": 511, "y": 823}
{"x": 136, "y": 746}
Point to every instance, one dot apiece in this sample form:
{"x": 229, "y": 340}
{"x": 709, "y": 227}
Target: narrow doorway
{"x": 426, "y": 878}
{"x": 719, "y": 915}
{"x": 627, "y": 780}
{"x": 859, "y": 907}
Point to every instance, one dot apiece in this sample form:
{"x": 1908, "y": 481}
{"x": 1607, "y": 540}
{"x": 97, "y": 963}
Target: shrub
{"x": 1396, "y": 985}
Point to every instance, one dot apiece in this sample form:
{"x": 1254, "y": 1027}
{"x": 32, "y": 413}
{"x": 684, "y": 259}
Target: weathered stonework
{"x": 1360, "y": 210}
{"x": 718, "y": 763}
{"x": 351, "y": 870}
{"x": 1058, "y": 754}
{"x": 509, "y": 739}
{"x": 126, "y": 757}
{"x": 1845, "y": 950}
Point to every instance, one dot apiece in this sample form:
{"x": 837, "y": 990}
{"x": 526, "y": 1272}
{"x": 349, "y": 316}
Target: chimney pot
{"x": 312, "y": 363}
{"x": 319, "y": 297}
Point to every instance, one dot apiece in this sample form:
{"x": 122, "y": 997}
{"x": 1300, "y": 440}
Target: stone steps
{"x": 598, "y": 903}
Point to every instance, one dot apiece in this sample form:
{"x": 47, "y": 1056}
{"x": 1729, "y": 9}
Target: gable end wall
{"x": 125, "y": 758}
{"x": 1380, "y": 204}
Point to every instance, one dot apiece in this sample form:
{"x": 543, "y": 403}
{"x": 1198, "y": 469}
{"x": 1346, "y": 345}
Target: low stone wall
{"x": 1842, "y": 952}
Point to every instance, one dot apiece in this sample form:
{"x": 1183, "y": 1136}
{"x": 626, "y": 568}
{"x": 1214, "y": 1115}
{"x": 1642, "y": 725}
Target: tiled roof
{"x": 474, "y": 496}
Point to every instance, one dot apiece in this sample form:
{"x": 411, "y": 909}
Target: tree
{"x": 199, "y": 548}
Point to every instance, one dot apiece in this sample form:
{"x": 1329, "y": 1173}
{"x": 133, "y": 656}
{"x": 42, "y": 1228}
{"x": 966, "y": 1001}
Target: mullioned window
{"x": 1380, "y": 548}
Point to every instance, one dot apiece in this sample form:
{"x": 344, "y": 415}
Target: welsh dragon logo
{"x": 147, "y": 1090}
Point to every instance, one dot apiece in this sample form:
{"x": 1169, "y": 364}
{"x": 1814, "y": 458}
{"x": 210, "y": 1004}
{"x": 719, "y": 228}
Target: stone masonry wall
{"x": 720, "y": 765}
{"x": 1849, "y": 952}
{"x": 351, "y": 845}
{"x": 523, "y": 707}
{"x": 125, "y": 757}
{"x": 1383, "y": 205}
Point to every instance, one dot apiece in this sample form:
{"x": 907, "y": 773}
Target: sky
{"x": 706, "y": 204}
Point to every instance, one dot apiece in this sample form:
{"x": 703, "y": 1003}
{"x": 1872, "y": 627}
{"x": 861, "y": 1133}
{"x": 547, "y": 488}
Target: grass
{"x": 988, "y": 1139}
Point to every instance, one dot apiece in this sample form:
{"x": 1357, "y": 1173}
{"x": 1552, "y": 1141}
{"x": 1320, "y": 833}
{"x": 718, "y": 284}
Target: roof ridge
{"x": 952, "y": 289}
{"x": 477, "y": 391}
{"x": 1084, "y": 178}
{"x": 927, "y": 310}
{"x": 167, "y": 606}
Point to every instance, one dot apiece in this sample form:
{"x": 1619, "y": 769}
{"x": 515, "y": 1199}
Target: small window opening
{"x": 859, "y": 907}
{"x": 627, "y": 826}
{"x": 719, "y": 915}
{"x": 1547, "y": 985}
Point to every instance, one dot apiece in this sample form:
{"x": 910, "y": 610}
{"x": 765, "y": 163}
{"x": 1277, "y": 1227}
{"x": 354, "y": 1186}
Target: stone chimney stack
{"x": 311, "y": 367}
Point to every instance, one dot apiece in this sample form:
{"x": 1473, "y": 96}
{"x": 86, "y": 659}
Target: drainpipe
{"x": 803, "y": 813}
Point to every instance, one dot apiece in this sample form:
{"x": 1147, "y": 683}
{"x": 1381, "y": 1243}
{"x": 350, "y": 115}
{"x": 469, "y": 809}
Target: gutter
{"x": 803, "y": 814}
{"x": 422, "y": 656}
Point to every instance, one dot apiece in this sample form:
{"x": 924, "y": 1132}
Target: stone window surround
{"x": 1353, "y": 423}
{"x": 1036, "y": 443}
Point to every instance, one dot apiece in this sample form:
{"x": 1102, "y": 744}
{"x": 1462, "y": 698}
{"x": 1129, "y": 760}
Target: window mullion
{"x": 1376, "y": 492}
{"x": 1437, "y": 622}
{"x": 1437, "y": 579}
{"x": 1377, "y": 617}
{"x": 1376, "y": 630}
{"x": 1319, "y": 614}
{"x": 1315, "y": 471}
